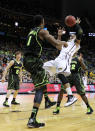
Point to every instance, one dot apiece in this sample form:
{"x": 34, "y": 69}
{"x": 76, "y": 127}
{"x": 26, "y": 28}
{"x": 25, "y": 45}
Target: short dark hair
{"x": 18, "y": 52}
{"x": 38, "y": 19}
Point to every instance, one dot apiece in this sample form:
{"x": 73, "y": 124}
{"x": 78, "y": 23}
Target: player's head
{"x": 39, "y": 21}
{"x": 18, "y": 55}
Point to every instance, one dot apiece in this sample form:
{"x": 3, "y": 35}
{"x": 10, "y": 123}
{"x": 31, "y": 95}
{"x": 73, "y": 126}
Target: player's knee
{"x": 63, "y": 79}
{"x": 38, "y": 96}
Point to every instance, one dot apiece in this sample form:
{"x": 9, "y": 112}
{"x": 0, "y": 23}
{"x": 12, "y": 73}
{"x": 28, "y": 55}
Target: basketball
{"x": 70, "y": 20}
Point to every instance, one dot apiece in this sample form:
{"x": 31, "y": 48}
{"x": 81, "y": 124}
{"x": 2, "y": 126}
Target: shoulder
{"x": 43, "y": 32}
{"x": 12, "y": 62}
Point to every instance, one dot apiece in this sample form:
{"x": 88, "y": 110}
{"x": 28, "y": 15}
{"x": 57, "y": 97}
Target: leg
{"x": 81, "y": 91}
{"x": 7, "y": 97}
{"x": 48, "y": 102}
{"x": 89, "y": 109}
{"x": 65, "y": 82}
{"x": 34, "y": 66}
{"x": 14, "y": 98}
{"x": 15, "y": 94}
{"x": 60, "y": 96}
{"x": 32, "y": 123}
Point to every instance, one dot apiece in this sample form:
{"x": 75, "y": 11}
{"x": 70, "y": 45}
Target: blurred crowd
{"x": 7, "y": 53}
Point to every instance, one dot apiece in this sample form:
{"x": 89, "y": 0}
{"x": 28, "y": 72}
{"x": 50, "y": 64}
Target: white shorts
{"x": 57, "y": 66}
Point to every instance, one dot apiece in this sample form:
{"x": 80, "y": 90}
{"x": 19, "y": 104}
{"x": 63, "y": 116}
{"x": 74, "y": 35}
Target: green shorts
{"x": 13, "y": 82}
{"x": 75, "y": 79}
{"x": 35, "y": 67}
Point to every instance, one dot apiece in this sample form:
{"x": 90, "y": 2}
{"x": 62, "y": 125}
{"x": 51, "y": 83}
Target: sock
{"x": 46, "y": 97}
{"x": 58, "y": 104}
{"x": 84, "y": 98}
{"x": 14, "y": 99}
{"x": 34, "y": 112}
{"x": 6, "y": 99}
{"x": 87, "y": 104}
{"x": 68, "y": 90}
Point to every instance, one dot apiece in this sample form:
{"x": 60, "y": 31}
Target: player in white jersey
{"x": 61, "y": 65}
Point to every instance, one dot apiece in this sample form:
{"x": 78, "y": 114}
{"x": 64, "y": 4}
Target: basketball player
{"x": 61, "y": 65}
{"x": 14, "y": 78}
{"x": 33, "y": 63}
{"x": 75, "y": 79}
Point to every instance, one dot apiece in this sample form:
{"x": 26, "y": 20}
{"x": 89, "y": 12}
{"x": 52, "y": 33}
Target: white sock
{"x": 68, "y": 90}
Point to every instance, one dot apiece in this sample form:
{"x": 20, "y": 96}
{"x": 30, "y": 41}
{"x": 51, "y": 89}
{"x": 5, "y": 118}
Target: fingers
{"x": 61, "y": 28}
{"x": 61, "y": 31}
{"x": 78, "y": 20}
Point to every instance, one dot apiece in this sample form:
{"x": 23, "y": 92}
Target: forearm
{"x": 84, "y": 67}
{"x": 59, "y": 37}
{"x": 53, "y": 41}
{"x": 79, "y": 31}
{"x": 4, "y": 73}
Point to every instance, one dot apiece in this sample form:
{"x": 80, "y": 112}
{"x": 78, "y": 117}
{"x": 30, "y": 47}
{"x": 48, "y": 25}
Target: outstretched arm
{"x": 44, "y": 34}
{"x": 79, "y": 31}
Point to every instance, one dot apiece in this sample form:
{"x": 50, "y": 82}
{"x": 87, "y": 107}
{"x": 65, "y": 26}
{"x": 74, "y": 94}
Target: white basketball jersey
{"x": 69, "y": 51}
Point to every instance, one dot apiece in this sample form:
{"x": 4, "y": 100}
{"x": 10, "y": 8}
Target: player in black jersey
{"x": 14, "y": 78}
{"x": 34, "y": 64}
{"x": 75, "y": 79}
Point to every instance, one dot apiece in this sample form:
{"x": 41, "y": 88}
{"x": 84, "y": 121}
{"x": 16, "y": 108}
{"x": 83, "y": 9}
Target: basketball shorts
{"x": 57, "y": 66}
{"x": 13, "y": 82}
{"x": 75, "y": 79}
{"x": 34, "y": 66}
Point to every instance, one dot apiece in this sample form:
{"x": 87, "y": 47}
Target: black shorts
{"x": 34, "y": 65}
{"x": 75, "y": 79}
{"x": 13, "y": 82}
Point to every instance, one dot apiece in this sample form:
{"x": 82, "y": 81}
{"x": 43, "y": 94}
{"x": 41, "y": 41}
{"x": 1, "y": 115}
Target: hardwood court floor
{"x": 71, "y": 118}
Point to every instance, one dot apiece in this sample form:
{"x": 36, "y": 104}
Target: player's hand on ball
{"x": 78, "y": 20}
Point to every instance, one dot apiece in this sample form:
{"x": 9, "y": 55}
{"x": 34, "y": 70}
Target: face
{"x": 18, "y": 57}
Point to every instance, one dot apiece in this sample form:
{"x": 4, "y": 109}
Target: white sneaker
{"x": 71, "y": 100}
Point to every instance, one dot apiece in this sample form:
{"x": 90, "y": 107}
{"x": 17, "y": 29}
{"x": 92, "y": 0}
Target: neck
{"x": 17, "y": 59}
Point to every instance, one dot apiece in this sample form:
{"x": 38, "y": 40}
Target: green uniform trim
{"x": 39, "y": 44}
{"x": 33, "y": 32}
{"x": 28, "y": 43}
{"x": 11, "y": 83}
{"x": 44, "y": 82}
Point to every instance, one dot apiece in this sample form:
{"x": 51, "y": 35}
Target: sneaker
{"x": 6, "y": 104}
{"x": 48, "y": 104}
{"x": 32, "y": 123}
{"x": 71, "y": 100}
{"x": 56, "y": 111}
{"x": 89, "y": 110}
{"x": 15, "y": 103}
